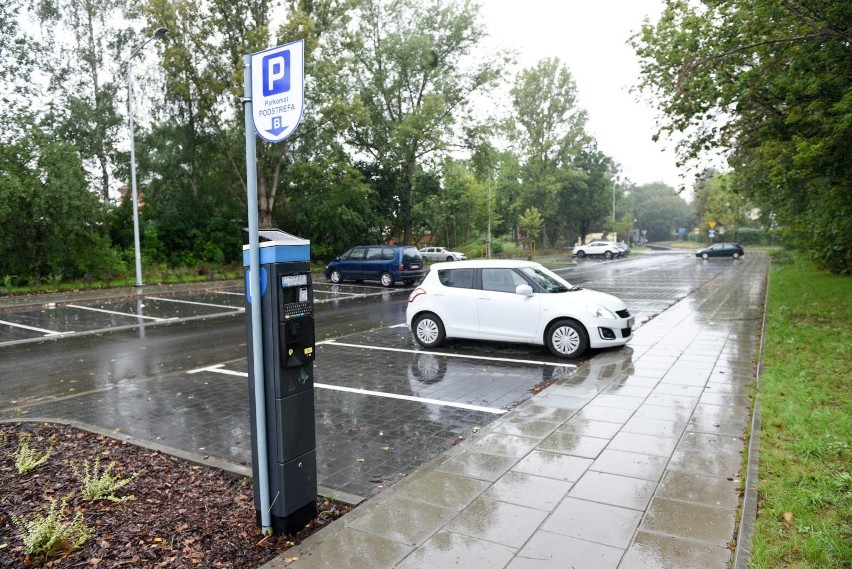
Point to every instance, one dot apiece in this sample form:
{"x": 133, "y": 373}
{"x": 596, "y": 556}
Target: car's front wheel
{"x": 387, "y": 280}
{"x": 428, "y": 330}
{"x": 581, "y": 254}
{"x": 608, "y": 254}
{"x": 449, "y": 258}
{"x": 705, "y": 256}
{"x": 736, "y": 255}
{"x": 335, "y": 277}
{"x": 567, "y": 339}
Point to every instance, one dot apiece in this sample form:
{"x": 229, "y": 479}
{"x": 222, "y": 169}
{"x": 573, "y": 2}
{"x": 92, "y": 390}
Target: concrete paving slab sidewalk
{"x": 634, "y": 461}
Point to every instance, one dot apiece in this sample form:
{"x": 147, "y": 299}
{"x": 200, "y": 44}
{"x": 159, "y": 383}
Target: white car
{"x": 514, "y": 301}
{"x": 441, "y": 254}
{"x": 606, "y": 248}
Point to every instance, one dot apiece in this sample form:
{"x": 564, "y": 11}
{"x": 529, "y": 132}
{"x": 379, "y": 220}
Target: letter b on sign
{"x": 276, "y": 73}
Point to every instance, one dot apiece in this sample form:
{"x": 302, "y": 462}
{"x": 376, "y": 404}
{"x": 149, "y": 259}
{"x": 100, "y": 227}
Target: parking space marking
{"x": 316, "y": 291}
{"x": 128, "y": 314}
{"x": 465, "y": 406}
{"x": 228, "y": 292}
{"x": 464, "y": 356}
{"x": 234, "y": 308}
{"x": 359, "y": 391}
{"x": 34, "y": 329}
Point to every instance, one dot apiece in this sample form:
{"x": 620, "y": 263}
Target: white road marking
{"x": 34, "y": 329}
{"x": 235, "y": 308}
{"x": 465, "y": 356}
{"x": 128, "y": 314}
{"x": 359, "y": 391}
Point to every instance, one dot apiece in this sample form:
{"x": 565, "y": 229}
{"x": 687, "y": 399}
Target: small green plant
{"x": 53, "y": 533}
{"x": 26, "y": 458}
{"x": 102, "y": 485}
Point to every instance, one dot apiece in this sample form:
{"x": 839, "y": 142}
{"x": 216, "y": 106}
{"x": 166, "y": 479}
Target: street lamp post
{"x": 158, "y": 33}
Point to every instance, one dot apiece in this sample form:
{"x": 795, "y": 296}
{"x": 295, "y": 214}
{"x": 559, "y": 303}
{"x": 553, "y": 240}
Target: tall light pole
{"x": 158, "y": 33}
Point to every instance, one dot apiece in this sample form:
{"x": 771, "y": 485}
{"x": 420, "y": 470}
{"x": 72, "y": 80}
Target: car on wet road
{"x": 442, "y": 254}
{"x": 514, "y": 301}
{"x": 387, "y": 264}
{"x": 606, "y": 249}
{"x": 734, "y": 250}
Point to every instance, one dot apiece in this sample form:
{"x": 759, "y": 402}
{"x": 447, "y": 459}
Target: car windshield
{"x": 547, "y": 280}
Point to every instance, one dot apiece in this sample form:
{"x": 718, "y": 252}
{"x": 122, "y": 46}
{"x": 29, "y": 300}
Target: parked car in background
{"x": 625, "y": 249}
{"x": 606, "y": 249}
{"x": 514, "y": 301}
{"x": 734, "y": 250}
{"x": 384, "y": 263}
{"x": 441, "y": 254}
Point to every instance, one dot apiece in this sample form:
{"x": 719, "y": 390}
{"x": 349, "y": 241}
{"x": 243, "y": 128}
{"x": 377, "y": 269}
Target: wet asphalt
{"x": 628, "y": 459}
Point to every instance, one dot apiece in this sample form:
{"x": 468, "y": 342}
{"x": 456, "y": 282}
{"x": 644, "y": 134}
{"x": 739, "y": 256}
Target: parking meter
{"x": 287, "y": 329}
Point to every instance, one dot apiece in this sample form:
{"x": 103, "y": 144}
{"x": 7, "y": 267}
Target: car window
{"x": 374, "y": 253}
{"x": 456, "y": 278}
{"x": 410, "y": 254}
{"x": 387, "y": 253}
{"x": 546, "y": 280}
{"x": 501, "y": 280}
{"x": 355, "y": 253}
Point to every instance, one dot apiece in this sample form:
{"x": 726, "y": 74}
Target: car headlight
{"x": 599, "y": 311}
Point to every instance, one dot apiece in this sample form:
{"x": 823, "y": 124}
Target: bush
{"x": 52, "y": 534}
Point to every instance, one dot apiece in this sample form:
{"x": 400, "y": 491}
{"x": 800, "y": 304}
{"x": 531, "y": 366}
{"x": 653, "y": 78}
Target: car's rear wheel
{"x": 736, "y": 255}
{"x": 608, "y": 254}
{"x": 581, "y": 254}
{"x": 387, "y": 280}
{"x": 567, "y": 339}
{"x": 429, "y": 330}
{"x": 705, "y": 256}
{"x": 335, "y": 277}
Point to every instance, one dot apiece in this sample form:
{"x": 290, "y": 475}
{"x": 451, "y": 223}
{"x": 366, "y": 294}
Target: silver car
{"x": 441, "y": 254}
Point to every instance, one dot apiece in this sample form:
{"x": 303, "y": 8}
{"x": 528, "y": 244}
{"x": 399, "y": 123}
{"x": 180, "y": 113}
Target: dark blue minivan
{"x": 384, "y": 263}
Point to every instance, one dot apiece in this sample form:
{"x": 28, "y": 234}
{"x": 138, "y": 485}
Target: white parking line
{"x": 128, "y": 314}
{"x": 229, "y": 292}
{"x": 359, "y": 391}
{"x": 320, "y": 291}
{"x": 34, "y": 329}
{"x": 465, "y": 356}
{"x": 235, "y": 308}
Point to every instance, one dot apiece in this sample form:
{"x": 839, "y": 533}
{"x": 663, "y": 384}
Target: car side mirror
{"x": 525, "y": 290}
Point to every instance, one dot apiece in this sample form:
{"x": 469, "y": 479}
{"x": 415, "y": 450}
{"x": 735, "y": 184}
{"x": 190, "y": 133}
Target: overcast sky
{"x": 589, "y": 37}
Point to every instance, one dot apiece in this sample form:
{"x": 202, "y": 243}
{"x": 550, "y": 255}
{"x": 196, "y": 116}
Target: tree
{"x": 407, "y": 83}
{"x": 53, "y": 226}
{"x": 85, "y": 78}
{"x": 660, "y": 211}
{"x": 548, "y": 131}
{"x": 768, "y": 83}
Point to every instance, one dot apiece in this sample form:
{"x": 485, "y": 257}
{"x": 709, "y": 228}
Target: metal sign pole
{"x": 254, "y": 295}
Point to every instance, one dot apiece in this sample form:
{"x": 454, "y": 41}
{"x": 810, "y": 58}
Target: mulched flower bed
{"x": 181, "y": 516}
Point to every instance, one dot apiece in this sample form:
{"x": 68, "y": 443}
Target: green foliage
{"x": 767, "y": 83}
{"x": 404, "y": 86}
{"x": 101, "y": 484}
{"x": 660, "y": 210}
{"x": 805, "y": 451}
{"x": 27, "y": 459}
{"x": 54, "y": 533}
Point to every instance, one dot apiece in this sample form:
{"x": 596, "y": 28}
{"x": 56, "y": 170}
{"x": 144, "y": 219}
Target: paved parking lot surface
{"x": 603, "y": 440}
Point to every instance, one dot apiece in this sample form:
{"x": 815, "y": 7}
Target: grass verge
{"x": 805, "y": 482}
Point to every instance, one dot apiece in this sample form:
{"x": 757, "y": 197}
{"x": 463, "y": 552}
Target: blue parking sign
{"x": 276, "y": 73}
{"x": 277, "y": 90}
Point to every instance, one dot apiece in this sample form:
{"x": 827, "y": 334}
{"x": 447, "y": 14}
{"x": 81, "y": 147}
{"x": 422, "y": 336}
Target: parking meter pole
{"x": 262, "y": 469}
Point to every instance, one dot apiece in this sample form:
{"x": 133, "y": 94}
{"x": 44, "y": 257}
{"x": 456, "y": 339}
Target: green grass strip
{"x": 805, "y": 481}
